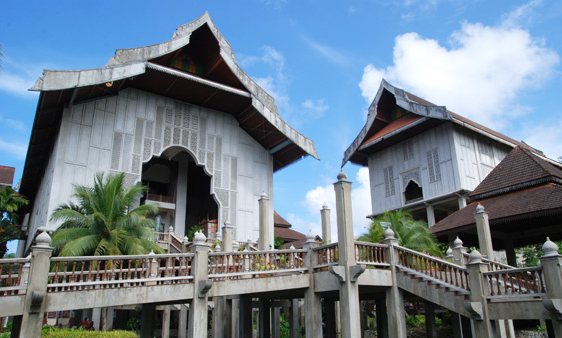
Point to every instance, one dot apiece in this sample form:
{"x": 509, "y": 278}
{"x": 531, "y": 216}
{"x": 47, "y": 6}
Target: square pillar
{"x": 265, "y": 318}
{"x": 245, "y": 317}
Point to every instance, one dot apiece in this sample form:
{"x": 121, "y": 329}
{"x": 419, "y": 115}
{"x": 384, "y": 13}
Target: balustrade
{"x": 326, "y": 255}
{"x": 371, "y": 254}
{"x": 525, "y": 281}
{"x": 433, "y": 267}
{"x": 234, "y": 265}
{"x": 11, "y": 271}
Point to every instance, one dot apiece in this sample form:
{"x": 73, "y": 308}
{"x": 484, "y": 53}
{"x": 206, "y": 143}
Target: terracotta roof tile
{"x": 544, "y": 198}
{"x": 7, "y": 175}
{"x": 288, "y": 234}
{"x": 280, "y": 221}
{"x": 519, "y": 169}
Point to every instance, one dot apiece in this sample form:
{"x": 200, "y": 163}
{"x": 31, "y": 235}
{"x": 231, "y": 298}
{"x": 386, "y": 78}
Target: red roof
{"x": 280, "y": 221}
{"x": 288, "y": 235}
{"x": 7, "y": 175}
{"x": 394, "y": 125}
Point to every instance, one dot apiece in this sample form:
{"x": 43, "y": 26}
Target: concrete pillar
{"x": 330, "y": 308}
{"x": 510, "y": 252}
{"x": 245, "y": 317}
{"x": 458, "y": 252}
{"x": 264, "y": 318}
{"x": 167, "y": 313}
{"x": 430, "y": 328}
{"x": 338, "y": 319}
{"x": 462, "y": 201}
{"x": 482, "y": 326}
{"x": 276, "y": 322}
{"x": 551, "y": 263}
{"x": 349, "y": 291}
{"x": 96, "y": 318}
{"x": 198, "y": 313}
{"x": 147, "y": 320}
{"x": 394, "y": 298}
{"x": 312, "y": 301}
{"x": 430, "y": 214}
{"x": 294, "y": 319}
{"x": 108, "y": 314}
{"x": 483, "y": 229}
{"x": 326, "y": 226}
{"x": 182, "y": 322}
{"x": 265, "y": 227}
{"x": 227, "y": 232}
{"x": 34, "y": 308}
{"x": 181, "y": 195}
{"x": 382, "y": 320}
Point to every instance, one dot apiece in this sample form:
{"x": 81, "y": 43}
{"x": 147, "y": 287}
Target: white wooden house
{"x": 422, "y": 156}
{"x": 180, "y": 116}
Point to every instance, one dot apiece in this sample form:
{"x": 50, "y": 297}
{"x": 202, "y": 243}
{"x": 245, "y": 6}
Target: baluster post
{"x": 34, "y": 308}
{"x": 551, "y": 263}
{"x": 396, "y": 319}
{"x": 482, "y": 326}
{"x": 458, "y": 252}
{"x": 312, "y": 301}
{"x": 198, "y": 312}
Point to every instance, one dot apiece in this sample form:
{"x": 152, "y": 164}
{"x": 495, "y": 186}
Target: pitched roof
{"x": 381, "y": 131}
{"x": 524, "y": 204}
{"x": 519, "y": 169}
{"x": 220, "y": 84}
{"x": 280, "y": 221}
{"x": 288, "y": 235}
{"x": 522, "y": 185}
{"x": 6, "y": 175}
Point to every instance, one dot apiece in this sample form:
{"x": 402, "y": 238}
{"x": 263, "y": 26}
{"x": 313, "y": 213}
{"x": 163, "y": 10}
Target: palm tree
{"x": 10, "y": 202}
{"x": 410, "y": 233}
{"x": 101, "y": 222}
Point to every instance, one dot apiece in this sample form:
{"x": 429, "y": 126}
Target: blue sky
{"x": 496, "y": 62}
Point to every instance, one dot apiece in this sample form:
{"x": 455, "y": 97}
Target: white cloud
{"x": 17, "y": 84}
{"x": 360, "y": 204}
{"x": 17, "y": 149}
{"x": 545, "y": 137}
{"x": 328, "y": 52}
{"x": 479, "y": 76}
{"x": 13, "y": 124}
{"x": 523, "y": 14}
{"x": 315, "y": 108}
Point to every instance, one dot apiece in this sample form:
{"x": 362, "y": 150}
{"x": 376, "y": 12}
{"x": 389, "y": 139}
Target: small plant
{"x": 192, "y": 231}
{"x": 134, "y": 324}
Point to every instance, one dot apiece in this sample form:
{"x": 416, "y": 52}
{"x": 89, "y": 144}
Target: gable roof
{"x": 220, "y": 85}
{"x": 279, "y": 221}
{"x": 382, "y": 130}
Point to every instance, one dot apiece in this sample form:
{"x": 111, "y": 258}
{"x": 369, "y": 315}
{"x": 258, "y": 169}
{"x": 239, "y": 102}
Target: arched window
{"x": 413, "y": 192}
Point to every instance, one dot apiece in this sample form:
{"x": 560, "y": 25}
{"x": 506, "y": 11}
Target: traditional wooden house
{"x": 421, "y": 156}
{"x": 180, "y": 117}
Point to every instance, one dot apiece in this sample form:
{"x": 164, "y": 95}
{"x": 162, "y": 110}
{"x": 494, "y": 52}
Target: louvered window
{"x": 433, "y": 165}
{"x": 408, "y": 150}
{"x": 389, "y": 181}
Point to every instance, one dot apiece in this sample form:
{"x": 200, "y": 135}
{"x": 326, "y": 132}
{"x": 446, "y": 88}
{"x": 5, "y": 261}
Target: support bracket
{"x": 554, "y": 306}
{"x": 204, "y": 287}
{"x": 355, "y": 272}
{"x": 36, "y": 301}
{"x": 338, "y": 271}
{"x": 475, "y": 308}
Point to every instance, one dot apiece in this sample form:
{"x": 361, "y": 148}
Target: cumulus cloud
{"x": 478, "y": 76}
{"x": 360, "y": 201}
{"x": 315, "y": 108}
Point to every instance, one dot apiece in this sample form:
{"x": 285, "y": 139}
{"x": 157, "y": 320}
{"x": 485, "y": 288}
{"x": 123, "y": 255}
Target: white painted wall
{"x": 465, "y": 158}
{"x": 120, "y": 133}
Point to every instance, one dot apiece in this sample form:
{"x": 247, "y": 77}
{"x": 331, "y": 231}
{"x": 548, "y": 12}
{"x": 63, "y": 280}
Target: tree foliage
{"x": 10, "y": 203}
{"x": 410, "y": 233}
{"x": 102, "y": 222}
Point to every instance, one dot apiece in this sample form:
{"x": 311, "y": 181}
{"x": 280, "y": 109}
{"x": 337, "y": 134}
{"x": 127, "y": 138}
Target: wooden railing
{"x": 492, "y": 265}
{"x": 433, "y": 267}
{"x": 524, "y": 281}
{"x": 11, "y": 272}
{"x": 160, "y": 198}
{"x": 326, "y": 255}
{"x": 234, "y": 265}
{"x": 371, "y": 254}
{"x": 100, "y": 272}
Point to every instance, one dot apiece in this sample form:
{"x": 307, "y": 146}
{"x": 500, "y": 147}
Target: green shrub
{"x": 50, "y": 332}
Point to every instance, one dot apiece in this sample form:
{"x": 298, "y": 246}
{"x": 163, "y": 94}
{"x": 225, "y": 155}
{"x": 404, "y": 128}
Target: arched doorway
{"x": 182, "y": 190}
{"x": 413, "y": 192}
